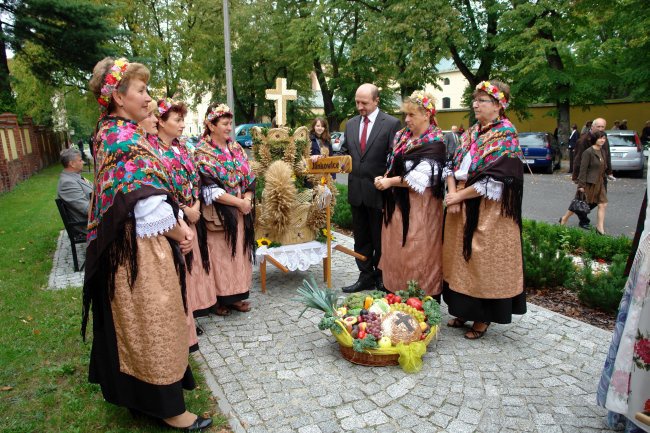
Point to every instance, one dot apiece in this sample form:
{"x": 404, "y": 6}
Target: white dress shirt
{"x": 371, "y": 117}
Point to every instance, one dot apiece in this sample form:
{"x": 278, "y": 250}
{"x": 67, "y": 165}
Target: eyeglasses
{"x": 486, "y": 100}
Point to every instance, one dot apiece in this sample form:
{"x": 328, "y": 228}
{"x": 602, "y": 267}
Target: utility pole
{"x": 230, "y": 95}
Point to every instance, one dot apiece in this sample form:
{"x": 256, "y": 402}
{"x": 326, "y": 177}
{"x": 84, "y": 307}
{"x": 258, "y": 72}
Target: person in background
{"x": 591, "y": 179}
{"x": 573, "y": 139}
{"x": 73, "y": 189}
{"x": 617, "y": 125}
{"x": 134, "y": 279}
{"x": 319, "y": 134}
{"x": 623, "y": 125}
{"x": 586, "y": 127}
{"x": 645, "y": 133}
{"x": 452, "y": 138}
{"x": 482, "y": 247}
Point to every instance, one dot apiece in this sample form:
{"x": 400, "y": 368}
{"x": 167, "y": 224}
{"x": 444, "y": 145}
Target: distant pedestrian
{"x": 573, "y": 139}
{"x": 617, "y": 125}
{"x": 452, "y": 139}
{"x": 645, "y": 134}
{"x": 586, "y": 128}
{"x": 623, "y": 125}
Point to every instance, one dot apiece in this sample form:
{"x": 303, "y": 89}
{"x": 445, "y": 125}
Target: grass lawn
{"x": 43, "y": 360}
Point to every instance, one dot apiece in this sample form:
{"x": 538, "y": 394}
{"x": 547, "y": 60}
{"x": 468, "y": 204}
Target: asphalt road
{"x": 547, "y": 197}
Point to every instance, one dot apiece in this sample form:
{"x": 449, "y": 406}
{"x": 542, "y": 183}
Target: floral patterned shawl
{"x": 231, "y": 167}
{"x": 183, "y": 174}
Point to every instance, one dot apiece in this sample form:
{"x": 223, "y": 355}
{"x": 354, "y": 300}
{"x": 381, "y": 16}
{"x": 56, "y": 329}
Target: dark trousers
{"x": 570, "y": 160}
{"x": 366, "y": 224}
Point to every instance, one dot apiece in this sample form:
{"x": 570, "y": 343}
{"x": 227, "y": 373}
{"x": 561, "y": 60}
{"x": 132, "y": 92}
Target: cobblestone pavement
{"x": 63, "y": 274}
{"x": 272, "y": 372}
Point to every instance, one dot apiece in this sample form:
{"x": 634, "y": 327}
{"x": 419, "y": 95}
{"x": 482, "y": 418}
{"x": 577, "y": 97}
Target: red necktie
{"x": 364, "y": 134}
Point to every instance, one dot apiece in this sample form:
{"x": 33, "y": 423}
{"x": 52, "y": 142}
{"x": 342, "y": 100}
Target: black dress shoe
{"x": 586, "y": 226}
{"x": 197, "y": 426}
{"x": 356, "y": 287}
{"x": 379, "y": 285}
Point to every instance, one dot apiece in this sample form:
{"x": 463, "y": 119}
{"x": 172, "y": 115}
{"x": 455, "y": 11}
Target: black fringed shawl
{"x": 130, "y": 170}
{"x": 228, "y": 217}
{"x": 497, "y": 156}
{"x": 430, "y": 149}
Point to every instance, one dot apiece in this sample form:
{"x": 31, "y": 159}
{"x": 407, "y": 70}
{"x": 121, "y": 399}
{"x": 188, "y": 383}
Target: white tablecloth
{"x": 297, "y": 256}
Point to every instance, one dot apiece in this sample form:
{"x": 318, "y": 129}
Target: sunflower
{"x": 263, "y": 242}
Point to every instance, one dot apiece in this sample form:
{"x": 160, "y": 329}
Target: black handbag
{"x": 579, "y": 205}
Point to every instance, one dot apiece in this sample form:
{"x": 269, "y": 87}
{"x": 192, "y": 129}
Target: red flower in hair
{"x": 110, "y": 79}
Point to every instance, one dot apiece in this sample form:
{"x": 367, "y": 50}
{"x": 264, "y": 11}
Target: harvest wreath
{"x": 376, "y": 328}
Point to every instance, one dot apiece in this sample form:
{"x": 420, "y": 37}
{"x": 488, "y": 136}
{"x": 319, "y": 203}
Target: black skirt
{"x": 158, "y": 401}
{"x": 472, "y": 309}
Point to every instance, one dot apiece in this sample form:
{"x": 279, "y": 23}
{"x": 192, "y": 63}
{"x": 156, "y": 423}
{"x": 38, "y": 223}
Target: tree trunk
{"x": 7, "y": 100}
{"x": 328, "y": 97}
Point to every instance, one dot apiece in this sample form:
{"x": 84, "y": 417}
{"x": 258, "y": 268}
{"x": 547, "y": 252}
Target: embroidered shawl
{"x": 130, "y": 170}
{"x": 231, "y": 172}
{"x": 428, "y": 148}
{"x": 495, "y": 154}
{"x": 182, "y": 173}
{"x": 230, "y": 167}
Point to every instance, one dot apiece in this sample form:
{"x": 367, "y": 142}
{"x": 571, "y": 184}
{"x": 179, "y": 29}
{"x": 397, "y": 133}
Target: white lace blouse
{"x": 490, "y": 188}
{"x": 154, "y": 216}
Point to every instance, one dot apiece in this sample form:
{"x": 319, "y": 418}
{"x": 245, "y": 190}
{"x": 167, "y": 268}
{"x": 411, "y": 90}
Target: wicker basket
{"x": 368, "y": 359}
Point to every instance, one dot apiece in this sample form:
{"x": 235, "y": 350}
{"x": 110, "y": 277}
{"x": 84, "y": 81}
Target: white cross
{"x": 281, "y": 95}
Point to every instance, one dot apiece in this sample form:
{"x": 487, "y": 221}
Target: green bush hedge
{"x": 342, "y": 213}
{"x": 603, "y": 290}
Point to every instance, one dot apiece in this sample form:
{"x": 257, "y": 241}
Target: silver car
{"x": 338, "y": 138}
{"x": 627, "y": 151}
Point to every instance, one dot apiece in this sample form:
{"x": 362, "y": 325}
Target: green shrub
{"x": 342, "y": 213}
{"x": 603, "y": 290}
{"x": 544, "y": 264}
{"x": 578, "y": 241}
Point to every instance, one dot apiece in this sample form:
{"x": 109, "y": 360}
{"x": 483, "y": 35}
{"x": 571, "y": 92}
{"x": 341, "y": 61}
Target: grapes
{"x": 419, "y": 315}
{"x": 373, "y": 321}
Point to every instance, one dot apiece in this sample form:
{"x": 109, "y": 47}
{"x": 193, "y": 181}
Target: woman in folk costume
{"x": 624, "y": 387}
{"x": 135, "y": 266}
{"x": 227, "y": 195}
{"x": 185, "y": 182}
{"x": 412, "y": 236}
{"x": 482, "y": 257}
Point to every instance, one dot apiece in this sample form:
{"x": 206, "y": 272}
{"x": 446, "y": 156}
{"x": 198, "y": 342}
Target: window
{"x": 445, "y": 81}
{"x": 243, "y": 132}
{"x": 446, "y": 102}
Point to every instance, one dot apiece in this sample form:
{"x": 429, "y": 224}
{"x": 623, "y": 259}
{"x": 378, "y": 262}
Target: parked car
{"x": 338, "y": 138}
{"x": 243, "y": 133}
{"x": 627, "y": 151}
{"x": 191, "y": 142}
{"x": 540, "y": 150}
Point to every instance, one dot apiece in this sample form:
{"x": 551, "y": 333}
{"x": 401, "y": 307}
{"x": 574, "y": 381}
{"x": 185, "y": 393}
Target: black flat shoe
{"x": 198, "y": 425}
{"x": 199, "y": 330}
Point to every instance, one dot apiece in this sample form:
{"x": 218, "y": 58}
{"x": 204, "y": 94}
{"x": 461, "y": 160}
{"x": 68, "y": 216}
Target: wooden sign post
{"x": 329, "y": 165}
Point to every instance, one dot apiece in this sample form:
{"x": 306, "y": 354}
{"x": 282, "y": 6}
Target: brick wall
{"x": 25, "y": 148}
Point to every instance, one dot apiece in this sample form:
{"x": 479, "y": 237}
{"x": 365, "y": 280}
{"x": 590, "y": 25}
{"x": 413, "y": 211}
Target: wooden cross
{"x": 281, "y": 95}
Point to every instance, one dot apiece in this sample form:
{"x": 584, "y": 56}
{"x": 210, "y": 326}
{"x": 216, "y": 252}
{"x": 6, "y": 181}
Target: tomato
{"x": 362, "y": 334}
{"x": 415, "y": 303}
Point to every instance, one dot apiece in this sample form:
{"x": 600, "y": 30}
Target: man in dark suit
{"x": 452, "y": 139}
{"x": 73, "y": 189}
{"x": 368, "y": 140}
